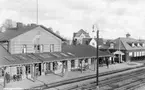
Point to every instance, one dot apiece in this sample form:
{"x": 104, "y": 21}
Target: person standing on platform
{"x": 107, "y": 62}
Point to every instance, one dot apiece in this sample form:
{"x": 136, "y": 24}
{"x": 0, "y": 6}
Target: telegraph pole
{"x": 37, "y": 12}
{"x": 97, "y": 58}
{"x": 97, "y": 72}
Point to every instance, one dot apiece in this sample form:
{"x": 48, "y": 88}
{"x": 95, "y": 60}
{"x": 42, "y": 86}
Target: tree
{"x": 9, "y": 23}
{"x": 57, "y": 32}
{"x": 50, "y": 28}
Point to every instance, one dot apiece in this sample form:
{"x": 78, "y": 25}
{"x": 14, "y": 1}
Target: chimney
{"x": 33, "y": 25}
{"x": 128, "y": 35}
{"x": 19, "y": 25}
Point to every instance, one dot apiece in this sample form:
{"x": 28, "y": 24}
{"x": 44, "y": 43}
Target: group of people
{"x": 104, "y": 61}
{"x": 7, "y": 77}
{"x": 15, "y": 77}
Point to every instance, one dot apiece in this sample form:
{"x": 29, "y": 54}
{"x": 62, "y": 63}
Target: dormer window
{"x": 143, "y": 44}
{"x": 138, "y": 44}
{"x": 93, "y": 44}
{"x": 104, "y": 42}
{"x": 112, "y": 45}
{"x": 133, "y": 45}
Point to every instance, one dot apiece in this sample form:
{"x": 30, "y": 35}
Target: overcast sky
{"x": 114, "y": 18}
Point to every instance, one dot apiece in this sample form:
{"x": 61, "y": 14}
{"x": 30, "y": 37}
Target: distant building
{"x": 92, "y": 42}
{"x": 78, "y": 36}
{"x": 128, "y": 48}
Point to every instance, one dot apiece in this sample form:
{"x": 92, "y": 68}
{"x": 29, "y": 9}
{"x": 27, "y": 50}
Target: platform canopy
{"x": 118, "y": 52}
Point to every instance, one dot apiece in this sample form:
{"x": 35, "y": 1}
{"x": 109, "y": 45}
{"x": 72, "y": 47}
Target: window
{"x": 38, "y": 48}
{"x": 72, "y": 63}
{"x": 111, "y": 45}
{"x": 93, "y": 44}
{"x": 1, "y": 72}
{"x": 142, "y": 53}
{"x": 137, "y": 54}
{"x": 28, "y": 69}
{"x": 143, "y": 44}
{"x": 48, "y": 67}
{"x": 19, "y": 70}
{"x": 51, "y": 47}
{"x": 55, "y": 64}
{"x": 41, "y": 48}
{"x": 104, "y": 42}
{"x": 138, "y": 44}
{"x": 134, "y": 54}
{"x": 24, "y": 49}
{"x": 86, "y": 60}
{"x": 133, "y": 45}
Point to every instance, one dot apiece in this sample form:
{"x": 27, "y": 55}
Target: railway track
{"x": 128, "y": 81}
{"x": 56, "y": 84}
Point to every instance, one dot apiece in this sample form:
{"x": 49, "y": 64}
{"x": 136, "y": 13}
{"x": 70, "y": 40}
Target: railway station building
{"x": 34, "y": 50}
{"x": 129, "y": 49}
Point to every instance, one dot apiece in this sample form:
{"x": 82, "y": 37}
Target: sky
{"x": 114, "y": 18}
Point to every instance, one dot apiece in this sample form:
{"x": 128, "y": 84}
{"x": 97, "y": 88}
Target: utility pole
{"x": 119, "y": 50}
{"x": 97, "y": 59}
{"x": 97, "y": 72}
{"x": 37, "y": 12}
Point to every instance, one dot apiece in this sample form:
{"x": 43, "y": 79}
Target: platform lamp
{"x": 97, "y": 62}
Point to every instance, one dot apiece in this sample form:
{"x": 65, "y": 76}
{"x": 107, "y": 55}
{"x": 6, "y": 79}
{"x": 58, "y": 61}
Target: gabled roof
{"x": 118, "y": 52}
{"x": 124, "y": 44}
{"x": 3, "y": 52}
{"x": 88, "y": 40}
{"x": 68, "y": 52}
{"x": 53, "y": 33}
{"x": 29, "y": 58}
{"x": 84, "y": 50}
{"x": 81, "y": 31}
{"x": 11, "y": 33}
{"x": 118, "y": 44}
{"x": 100, "y": 41}
{"x": 128, "y": 47}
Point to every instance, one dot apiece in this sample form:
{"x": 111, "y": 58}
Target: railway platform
{"x": 51, "y": 78}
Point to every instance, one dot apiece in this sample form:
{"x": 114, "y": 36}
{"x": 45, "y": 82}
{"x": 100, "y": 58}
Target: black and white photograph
{"x": 72, "y": 44}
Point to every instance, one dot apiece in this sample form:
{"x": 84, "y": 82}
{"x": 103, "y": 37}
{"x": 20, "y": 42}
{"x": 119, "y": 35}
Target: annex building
{"x": 127, "y": 48}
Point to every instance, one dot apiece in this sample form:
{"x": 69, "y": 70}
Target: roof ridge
{"x": 53, "y": 33}
{"x": 123, "y": 44}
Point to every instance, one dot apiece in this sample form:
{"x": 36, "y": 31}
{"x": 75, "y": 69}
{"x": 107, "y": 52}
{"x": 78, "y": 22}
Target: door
{"x": 40, "y": 69}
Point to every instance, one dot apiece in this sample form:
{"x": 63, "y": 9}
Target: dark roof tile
{"x": 11, "y": 33}
{"x": 83, "y": 50}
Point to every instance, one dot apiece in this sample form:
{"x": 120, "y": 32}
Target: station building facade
{"x": 34, "y": 50}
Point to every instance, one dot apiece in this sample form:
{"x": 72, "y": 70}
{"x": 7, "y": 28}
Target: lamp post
{"x": 97, "y": 61}
{"x": 37, "y": 12}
